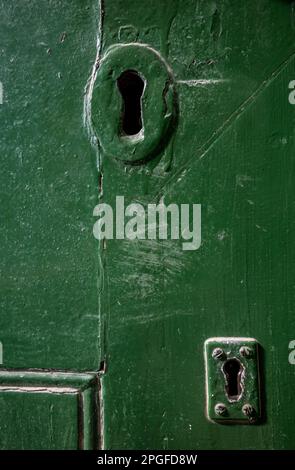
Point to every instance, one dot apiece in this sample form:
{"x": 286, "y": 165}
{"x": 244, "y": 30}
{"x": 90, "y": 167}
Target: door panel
{"x": 230, "y": 151}
{"x": 49, "y": 410}
{"x": 49, "y": 259}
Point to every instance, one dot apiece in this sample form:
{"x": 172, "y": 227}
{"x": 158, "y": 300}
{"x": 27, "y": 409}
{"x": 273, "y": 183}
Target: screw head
{"x": 245, "y": 351}
{"x": 248, "y": 410}
{"x": 220, "y": 409}
{"x": 218, "y": 353}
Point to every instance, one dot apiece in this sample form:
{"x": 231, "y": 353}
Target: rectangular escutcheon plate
{"x": 232, "y": 380}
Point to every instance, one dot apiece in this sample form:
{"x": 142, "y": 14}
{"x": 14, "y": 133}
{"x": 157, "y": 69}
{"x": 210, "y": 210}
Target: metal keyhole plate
{"x": 232, "y": 380}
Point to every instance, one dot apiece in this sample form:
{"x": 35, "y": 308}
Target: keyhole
{"x": 233, "y": 371}
{"x": 131, "y": 87}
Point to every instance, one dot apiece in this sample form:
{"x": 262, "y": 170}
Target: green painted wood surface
{"x": 146, "y": 307}
{"x": 49, "y": 410}
{"x": 232, "y": 151}
{"x": 49, "y": 261}
{"x": 50, "y": 421}
{"x": 49, "y": 313}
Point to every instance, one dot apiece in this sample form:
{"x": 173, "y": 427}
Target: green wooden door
{"x": 161, "y": 101}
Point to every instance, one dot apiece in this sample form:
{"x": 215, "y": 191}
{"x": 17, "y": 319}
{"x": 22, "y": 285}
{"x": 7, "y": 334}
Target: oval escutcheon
{"x": 133, "y": 103}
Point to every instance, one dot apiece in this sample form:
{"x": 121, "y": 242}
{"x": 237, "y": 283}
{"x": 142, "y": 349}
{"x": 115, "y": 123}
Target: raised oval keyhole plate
{"x": 133, "y": 103}
{"x": 232, "y": 380}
